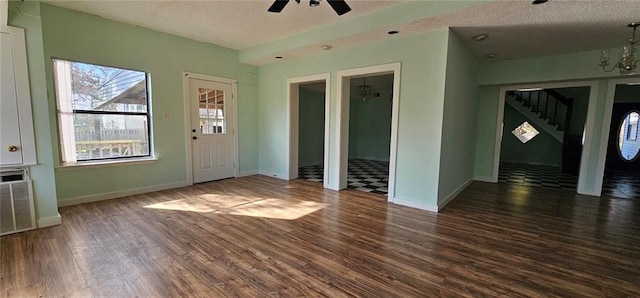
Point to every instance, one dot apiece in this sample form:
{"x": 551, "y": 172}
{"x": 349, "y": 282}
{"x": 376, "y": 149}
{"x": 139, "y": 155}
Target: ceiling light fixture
{"x": 480, "y": 37}
{"x": 627, "y": 63}
{"x": 365, "y": 90}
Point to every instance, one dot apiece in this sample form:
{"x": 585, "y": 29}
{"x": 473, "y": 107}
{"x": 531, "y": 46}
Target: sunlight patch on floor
{"x": 235, "y": 205}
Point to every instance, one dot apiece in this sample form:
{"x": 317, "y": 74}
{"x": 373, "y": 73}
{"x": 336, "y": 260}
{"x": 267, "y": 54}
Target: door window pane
{"x": 211, "y": 111}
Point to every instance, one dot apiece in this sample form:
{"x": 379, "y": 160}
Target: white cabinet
{"x": 17, "y": 144}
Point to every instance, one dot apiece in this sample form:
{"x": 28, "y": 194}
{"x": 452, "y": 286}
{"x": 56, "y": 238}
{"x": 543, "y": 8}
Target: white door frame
{"x": 293, "y": 103}
{"x": 588, "y": 127}
{"x": 606, "y": 127}
{"x": 342, "y": 116}
{"x": 187, "y": 117}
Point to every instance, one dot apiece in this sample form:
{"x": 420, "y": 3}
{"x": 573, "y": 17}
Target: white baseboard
{"x": 373, "y": 158}
{"x": 273, "y": 174}
{"x": 485, "y": 179}
{"x": 309, "y": 163}
{"x": 49, "y": 221}
{"x": 454, "y": 194}
{"x": 417, "y": 205}
{"x": 247, "y": 173}
{"x": 119, "y": 194}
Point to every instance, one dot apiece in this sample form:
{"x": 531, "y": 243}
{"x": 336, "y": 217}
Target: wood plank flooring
{"x": 263, "y": 237}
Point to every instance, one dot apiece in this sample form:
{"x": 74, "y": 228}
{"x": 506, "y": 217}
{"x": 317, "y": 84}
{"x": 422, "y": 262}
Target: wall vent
{"x": 17, "y": 213}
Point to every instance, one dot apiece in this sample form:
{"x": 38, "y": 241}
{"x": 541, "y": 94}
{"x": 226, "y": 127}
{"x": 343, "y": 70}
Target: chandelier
{"x": 365, "y": 90}
{"x": 627, "y": 63}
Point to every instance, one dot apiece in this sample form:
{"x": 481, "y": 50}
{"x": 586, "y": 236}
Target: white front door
{"x": 211, "y": 130}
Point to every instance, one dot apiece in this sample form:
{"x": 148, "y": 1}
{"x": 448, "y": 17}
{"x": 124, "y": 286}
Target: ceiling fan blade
{"x": 278, "y": 5}
{"x": 339, "y": 6}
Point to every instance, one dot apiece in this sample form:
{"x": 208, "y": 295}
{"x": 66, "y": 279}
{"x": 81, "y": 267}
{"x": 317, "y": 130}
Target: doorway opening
{"x": 368, "y": 129}
{"x": 308, "y": 127}
{"x": 543, "y": 136}
{"x": 311, "y": 130}
{"x": 370, "y": 111}
{"x": 622, "y": 167}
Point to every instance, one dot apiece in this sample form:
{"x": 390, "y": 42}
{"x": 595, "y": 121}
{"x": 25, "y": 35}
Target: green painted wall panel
{"x": 370, "y": 129}
{"x": 81, "y": 37}
{"x": 459, "y": 121}
{"x": 311, "y": 128}
{"x": 420, "y": 115}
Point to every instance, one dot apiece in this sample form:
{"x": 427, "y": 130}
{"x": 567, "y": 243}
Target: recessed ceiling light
{"x": 536, "y": 2}
{"x": 480, "y": 37}
{"x": 279, "y": 57}
{"x": 490, "y": 55}
{"x": 392, "y": 32}
{"x": 326, "y": 47}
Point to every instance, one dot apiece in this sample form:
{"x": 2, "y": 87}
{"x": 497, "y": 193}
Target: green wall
{"x": 423, "y": 59}
{"x": 543, "y": 149}
{"x": 558, "y": 68}
{"x": 82, "y": 37}
{"x": 44, "y": 186}
{"x": 310, "y": 127}
{"x": 370, "y": 128}
{"x": 457, "y": 153}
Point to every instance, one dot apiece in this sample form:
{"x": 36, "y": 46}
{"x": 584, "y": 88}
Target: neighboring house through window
{"x": 103, "y": 112}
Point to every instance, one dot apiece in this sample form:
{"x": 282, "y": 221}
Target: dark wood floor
{"x": 238, "y": 237}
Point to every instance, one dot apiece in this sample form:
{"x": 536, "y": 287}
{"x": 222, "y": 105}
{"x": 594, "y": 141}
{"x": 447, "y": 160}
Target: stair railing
{"x": 548, "y": 104}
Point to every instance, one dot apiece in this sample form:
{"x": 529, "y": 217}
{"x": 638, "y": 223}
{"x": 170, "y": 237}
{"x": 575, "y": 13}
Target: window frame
{"x": 105, "y": 160}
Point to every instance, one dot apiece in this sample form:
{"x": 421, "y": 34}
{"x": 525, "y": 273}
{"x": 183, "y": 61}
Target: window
{"x": 628, "y": 143}
{"x": 211, "y": 111}
{"x": 525, "y": 132}
{"x": 103, "y": 112}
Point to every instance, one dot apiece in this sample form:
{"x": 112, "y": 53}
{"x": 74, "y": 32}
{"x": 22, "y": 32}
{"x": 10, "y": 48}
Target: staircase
{"x": 547, "y": 109}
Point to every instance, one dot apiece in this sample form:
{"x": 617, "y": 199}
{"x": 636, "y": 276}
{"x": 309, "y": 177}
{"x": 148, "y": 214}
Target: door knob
{"x": 12, "y": 148}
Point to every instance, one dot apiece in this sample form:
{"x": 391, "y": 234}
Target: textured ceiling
{"x": 235, "y": 24}
{"x": 516, "y": 27}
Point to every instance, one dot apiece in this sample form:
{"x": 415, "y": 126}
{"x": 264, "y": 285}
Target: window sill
{"x": 105, "y": 163}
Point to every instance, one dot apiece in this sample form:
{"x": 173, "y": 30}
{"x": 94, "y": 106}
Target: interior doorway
{"x": 311, "y": 130}
{"x": 543, "y": 136}
{"x": 308, "y": 127}
{"x": 348, "y": 88}
{"x": 370, "y": 111}
{"x": 622, "y": 167}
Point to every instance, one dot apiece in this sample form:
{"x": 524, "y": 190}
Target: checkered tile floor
{"x": 536, "y": 176}
{"x": 364, "y": 175}
{"x": 615, "y": 184}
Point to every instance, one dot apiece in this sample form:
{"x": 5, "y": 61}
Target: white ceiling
{"x": 235, "y": 24}
{"x": 516, "y": 27}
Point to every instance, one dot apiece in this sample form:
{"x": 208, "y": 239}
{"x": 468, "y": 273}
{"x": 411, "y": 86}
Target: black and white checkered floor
{"x": 364, "y": 175}
{"x": 617, "y": 184}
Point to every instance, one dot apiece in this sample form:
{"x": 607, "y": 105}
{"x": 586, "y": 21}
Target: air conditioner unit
{"x": 17, "y": 212}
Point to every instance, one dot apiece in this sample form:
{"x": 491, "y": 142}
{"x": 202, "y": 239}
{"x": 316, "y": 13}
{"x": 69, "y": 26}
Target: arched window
{"x": 628, "y": 142}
